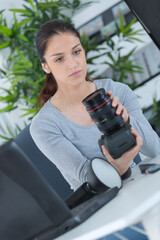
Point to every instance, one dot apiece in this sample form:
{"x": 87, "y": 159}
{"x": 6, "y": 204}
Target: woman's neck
{"x": 72, "y": 97}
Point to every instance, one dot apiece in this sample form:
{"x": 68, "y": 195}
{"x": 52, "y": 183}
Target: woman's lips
{"x": 75, "y": 74}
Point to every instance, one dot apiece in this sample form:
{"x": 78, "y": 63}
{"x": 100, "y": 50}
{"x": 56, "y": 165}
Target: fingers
{"x": 122, "y": 163}
{"x": 139, "y": 141}
{"x": 132, "y": 152}
{"x": 120, "y": 109}
{"x": 109, "y": 93}
{"x": 124, "y": 113}
{"x": 114, "y": 101}
{"x": 116, "y": 164}
{"x": 106, "y": 153}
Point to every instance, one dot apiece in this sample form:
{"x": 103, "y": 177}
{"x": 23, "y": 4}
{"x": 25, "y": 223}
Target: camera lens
{"x": 117, "y": 136}
{"x": 95, "y": 100}
{"x": 99, "y": 106}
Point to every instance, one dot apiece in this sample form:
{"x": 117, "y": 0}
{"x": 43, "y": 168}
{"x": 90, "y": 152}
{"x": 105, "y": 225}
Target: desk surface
{"x": 136, "y": 198}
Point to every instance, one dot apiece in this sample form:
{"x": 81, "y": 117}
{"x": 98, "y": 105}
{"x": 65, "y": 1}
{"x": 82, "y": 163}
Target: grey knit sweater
{"x": 70, "y": 146}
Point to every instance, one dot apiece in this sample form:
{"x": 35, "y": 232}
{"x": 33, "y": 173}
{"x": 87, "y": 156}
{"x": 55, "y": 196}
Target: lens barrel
{"x": 99, "y": 106}
{"x": 95, "y": 99}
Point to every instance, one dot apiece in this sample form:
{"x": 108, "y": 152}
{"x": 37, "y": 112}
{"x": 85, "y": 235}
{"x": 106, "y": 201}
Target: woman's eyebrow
{"x": 76, "y": 45}
{"x": 57, "y": 54}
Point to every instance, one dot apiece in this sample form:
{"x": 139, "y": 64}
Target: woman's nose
{"x": 71, "y": 62}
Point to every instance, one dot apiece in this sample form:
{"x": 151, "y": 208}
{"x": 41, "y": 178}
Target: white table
{"x": 138, "y": 200}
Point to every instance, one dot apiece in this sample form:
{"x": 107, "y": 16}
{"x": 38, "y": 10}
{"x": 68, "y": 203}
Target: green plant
{"x": 122, "y": 64}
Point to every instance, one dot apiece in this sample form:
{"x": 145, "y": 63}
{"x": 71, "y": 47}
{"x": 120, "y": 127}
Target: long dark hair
{"x": 44, "y": 33}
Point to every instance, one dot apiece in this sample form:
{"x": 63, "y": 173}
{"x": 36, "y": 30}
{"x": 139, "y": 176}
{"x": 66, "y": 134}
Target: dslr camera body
{"x": 117, "y": 136}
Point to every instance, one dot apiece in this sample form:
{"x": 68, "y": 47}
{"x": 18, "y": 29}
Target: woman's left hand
{"x": 120, "y": 109}
{"x": 123, "y": 163}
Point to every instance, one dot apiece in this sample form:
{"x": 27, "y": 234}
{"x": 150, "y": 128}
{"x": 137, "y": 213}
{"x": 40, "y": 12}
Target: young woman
{"x": 63, "y": 129}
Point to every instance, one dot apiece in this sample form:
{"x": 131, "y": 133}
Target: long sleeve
{"x": 62, "y": 153}
{"x": 151, "y": 141}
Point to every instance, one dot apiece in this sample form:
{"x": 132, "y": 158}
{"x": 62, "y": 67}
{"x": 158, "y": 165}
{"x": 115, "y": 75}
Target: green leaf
{"x": 130, "y": 53}
{"x": 10, "y": 132}
{"x": 18, "y": 128}
{"x": 4, "y": 45}
{"x": 121, "y": 22}
{"x": 31, "y": 82}
{"x": 31, "y": 101}
{"x": 1, "y": 11}
{"x": 136, "y": 39}
{"x": 128, "y": 27}
{"x": 15, "y": 23}
{"x": 109, "y": 54}
{"x": 138, "y": 32}
{"x": 121, "y": 77}
{"x": 23, "y": 22}
{"x": 21, "y": 55}
{"x": 24, "y": 11}
{"x": 28, "y": 112}
{"x": 6, "y": 31}
{"x": 109, "y": 42}
{"x": 90, "y": 73}
{"x": 29, "y": 10}
{"x": 10, "y": 107}
{"x": 3, "y": 72}
{"x": 110, "y": 64}
{"x": 5, "y": 90}
{"x": 31, "y": 3}
{"x": 90, "y": 60}
{"x": 22, "y": 37}
{"x": 5, "y": 138}
{"x": 19, "y": 61}
{"x": 15, "y": 81}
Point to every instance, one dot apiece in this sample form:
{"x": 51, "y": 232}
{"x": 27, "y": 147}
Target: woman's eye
{"x": 77, "y": 52}
{"x": 59, "y": 59}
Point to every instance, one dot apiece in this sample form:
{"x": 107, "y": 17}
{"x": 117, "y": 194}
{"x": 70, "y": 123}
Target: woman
{"x": 62, "y": 129}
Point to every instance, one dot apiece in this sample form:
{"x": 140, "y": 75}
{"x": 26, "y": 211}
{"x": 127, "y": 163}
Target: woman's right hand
{"x": 122, "y": 164}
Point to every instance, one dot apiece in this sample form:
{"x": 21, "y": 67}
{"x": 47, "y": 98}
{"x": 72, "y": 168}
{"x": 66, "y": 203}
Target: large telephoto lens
{"x": 99, "y": 106}
{"x": 117, "y": 136}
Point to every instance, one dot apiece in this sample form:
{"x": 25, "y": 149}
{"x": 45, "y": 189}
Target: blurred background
{"x": 116, "y": 47}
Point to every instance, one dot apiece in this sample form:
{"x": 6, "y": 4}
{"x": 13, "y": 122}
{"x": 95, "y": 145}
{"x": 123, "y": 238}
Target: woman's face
{"x": 65, "y": 59}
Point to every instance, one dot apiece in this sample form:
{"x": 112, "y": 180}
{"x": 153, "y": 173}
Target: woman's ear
{"x": 46, "y": 67}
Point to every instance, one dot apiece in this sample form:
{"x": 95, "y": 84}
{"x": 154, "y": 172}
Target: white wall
{"x": 9, "y": 4}
{"x": 92, "y": 11}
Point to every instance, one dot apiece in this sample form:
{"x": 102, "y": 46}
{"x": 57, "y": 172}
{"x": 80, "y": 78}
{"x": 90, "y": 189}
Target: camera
{"x": 117, "y": 136}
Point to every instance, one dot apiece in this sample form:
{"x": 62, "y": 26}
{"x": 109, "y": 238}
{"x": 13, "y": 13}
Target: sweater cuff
{"x": 127, "y": 174}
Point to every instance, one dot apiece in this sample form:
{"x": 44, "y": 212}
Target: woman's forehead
{"x": 61, "y": 42}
